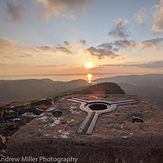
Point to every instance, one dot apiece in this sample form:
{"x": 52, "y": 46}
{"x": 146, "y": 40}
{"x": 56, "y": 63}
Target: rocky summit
{"x": 130, "y": 133}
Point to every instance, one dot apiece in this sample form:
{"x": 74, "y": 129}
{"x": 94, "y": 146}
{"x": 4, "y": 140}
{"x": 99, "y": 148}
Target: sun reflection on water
{"x": 89, "y": 77}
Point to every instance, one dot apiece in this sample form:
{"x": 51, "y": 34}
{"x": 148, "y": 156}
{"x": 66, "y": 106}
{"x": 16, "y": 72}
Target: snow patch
{"x": 27, "y": 103}
{"x": 73, "y": 107}
{"x": 56, "y": 122}
{"x": 65, "y": 135}
{"x": 39, "y": 109}
{"x": 52, "y": 125}
{"x": 52, "y": 101}
{"x": 73, "y": 111}
{"x": 124, "y": 137}
{"x": 29, "y": 114}
{"x": 72, "y": 120}
{"x": 11, "y": 111}
{"x": 16, "y": 119}
{"x": 50, "y": 109}
{"x": 61, "y": 118}
{"x": 43, "y": 118}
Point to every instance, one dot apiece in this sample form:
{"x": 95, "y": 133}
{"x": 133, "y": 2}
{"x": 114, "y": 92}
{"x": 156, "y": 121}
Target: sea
{"x": 61, "y": 77}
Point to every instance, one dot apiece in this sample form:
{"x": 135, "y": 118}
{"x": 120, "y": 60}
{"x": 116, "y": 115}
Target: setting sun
{"x": 88, "y": 65}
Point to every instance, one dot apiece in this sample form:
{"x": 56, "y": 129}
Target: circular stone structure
{"x": 97, "y": 106}
{"x": 116, "y": 138}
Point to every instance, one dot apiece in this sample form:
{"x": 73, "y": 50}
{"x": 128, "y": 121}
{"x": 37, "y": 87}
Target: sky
{"x": 39, "y": 37}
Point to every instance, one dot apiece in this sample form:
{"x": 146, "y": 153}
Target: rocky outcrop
{"x": 101, "y": 88}
{"x": 131, "y": 133}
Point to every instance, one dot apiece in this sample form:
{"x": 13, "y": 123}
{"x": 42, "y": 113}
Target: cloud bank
{"x": 10, "y": 48}
{"x": 101, "y": 52}
{"x": 110, "y": 49}
{"x": 153, "y": 64}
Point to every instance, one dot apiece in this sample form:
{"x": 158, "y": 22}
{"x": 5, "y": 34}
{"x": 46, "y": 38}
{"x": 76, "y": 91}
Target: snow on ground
{"x": 72, "y": 120}
{"x": 29, "y": 114}
{"x": 11, "y": 111}
{"x": 50, "y": 109}
{"x": 64, "y": 134}
{"x": 39, "y": 109}
{"x": 73, "y": 111}
{"x": 16, "y": 119}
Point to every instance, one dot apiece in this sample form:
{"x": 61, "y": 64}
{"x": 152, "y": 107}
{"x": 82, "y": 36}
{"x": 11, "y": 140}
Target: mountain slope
{"x": 101, "y": 88}
{"x": 148, "y": 79}
{"x": 18, "y": 90}
{"x": 149, "y": 87}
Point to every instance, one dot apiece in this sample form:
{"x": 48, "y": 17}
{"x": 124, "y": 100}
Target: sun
{"x": 88, "y": 65}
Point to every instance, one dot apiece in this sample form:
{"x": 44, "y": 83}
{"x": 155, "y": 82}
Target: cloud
{"x": 153, "y": 64}
{"x": 119, "y": 29}
{"x": 49, "y": 49}
{"x": 14, "y": 11}
{"x": 66, "y": 43}
{"x": 141, "y": 16}
{"x": 103, "y": 50}
{"x": 152, "y": 44}
{"x": 64, "y": 8}
{"x": 82, "y": 42}
{"x": 65, "y": 49}
{"x": 45, "y": 49}
{"x": 8, "y": 47}
{"x": 27, "y": 56}
{"x": 125, "y": 44}
{"x": 158, "y": 19}
{"x": 108, "y": 46}
{"x": 109, "y": 49}
{"x": 2, "y": 64}
{"x": 60, "y": 65}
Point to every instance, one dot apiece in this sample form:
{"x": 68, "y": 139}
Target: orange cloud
{"x": 65, "y": 8}
{"x": 154, "y": 44}
{"x": 8, "y": 47}
{"x": 158, "y": 19}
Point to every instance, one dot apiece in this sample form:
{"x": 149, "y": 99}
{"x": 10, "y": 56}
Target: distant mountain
{"x": 148, "y": 79}
{"x": 19, "y": 90}
{"x": 101, "y": 88}
{"x": 149, "y": 87}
